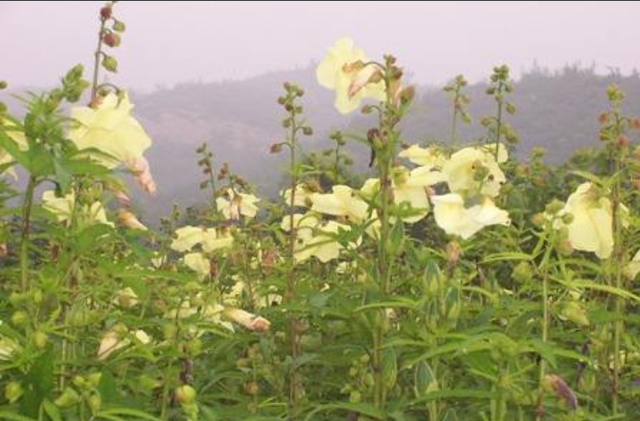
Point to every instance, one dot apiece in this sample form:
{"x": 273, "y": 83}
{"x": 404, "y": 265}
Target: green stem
{"x": 294, "y": 342}
{"x": 26, "y": 227}
{"x": 96, "y": 62}
{"x": 454, "y": 119}
{"x": 544, "y": 266}
{"x": 619, "y": 257}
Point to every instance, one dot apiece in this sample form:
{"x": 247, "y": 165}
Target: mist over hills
{"x": 239, "y": 120}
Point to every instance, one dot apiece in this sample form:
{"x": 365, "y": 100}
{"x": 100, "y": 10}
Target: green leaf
{"x": 360, "y": 408}
{"x": 115, "y": 413}
{"x": 51, "y": 410}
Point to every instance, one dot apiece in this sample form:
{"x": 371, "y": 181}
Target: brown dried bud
{"x": 563, "y": 391}
{"x": 276, "y": 148}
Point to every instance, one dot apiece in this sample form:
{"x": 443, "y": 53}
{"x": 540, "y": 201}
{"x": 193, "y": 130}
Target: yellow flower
{"x": 454, "y": 217}
{"x": 301, "y": 199}
{"x": 211, "y": 239}
{"x": 633, "y": 267}
{"x": 62, "y": 208}
{"x": 345, "y": 70}
{"x": 430, "y": 157}
{"x": 410, "y": 188}
{"x": 314, "y": 238}
{"x": 344, "y": 201}
{"x": 7, "y": 348}
{"x": 113, "y": 341}
{"x": 126, "y": 298}
{"x": 111, "y": 129}
{"x": 474, "y": 170}
{"x": 18, "y": 137}
{"x": 187, "y": 237}
{"x": 237, "y": 204}
{"x": 198, "y": 263}
{"x": 591, "y": 227}
{"x": 216, "y": 240}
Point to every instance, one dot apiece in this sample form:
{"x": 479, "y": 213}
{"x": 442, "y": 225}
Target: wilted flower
{"x": 346, "y": 70}
{"x": 129, "y": 220}
{"x": 248, "y": 320}
{"x": 142, "y": 173}
{"x": 562, "y": 390}
{"x": 456, "y": 217}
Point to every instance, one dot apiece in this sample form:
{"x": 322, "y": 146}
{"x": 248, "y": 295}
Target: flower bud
{"x": 3, "y": 85}
{"x": 522, "y": 273}
{"x": 554, "y": 207}
{"x": 68, "y": 398}
{"x": 111, "y": 39}
{"x": 251, "y": 388}
{"x": 110, "y": 64}
{"x": 19, "y": 318}
{"x": 106, "y": 12}
{"x": 40, "y": 339}
{"x": 119, "y": 26}
{"x": 276, "y": 148}
{"x": 185, "y": 395}
{"x": 623, "y": 141}
{"x": 13, "y": 391}
{"x": 95, "y": 403}
{"x": 538, "y": 220}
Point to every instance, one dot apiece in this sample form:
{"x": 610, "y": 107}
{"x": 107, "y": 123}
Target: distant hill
{"x": 240, "y": 120}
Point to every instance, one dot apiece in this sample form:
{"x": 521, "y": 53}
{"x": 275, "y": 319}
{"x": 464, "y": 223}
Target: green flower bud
{"x": 118, "y": 26}
{"x": 110, "y": 64}
{"x": 40, "y": 339}
{"x": 185, "y": 395}
{"x": 13, "y": 391}
{"x": 554, "y": 207}
{"x": 19, "y": 318}
{"x": 68, "y": 398}
{"x": 95, "y": 403}
{"x": 522, "y": 273}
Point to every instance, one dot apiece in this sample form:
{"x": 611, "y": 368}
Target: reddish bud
{"x": 623, "y": 141}
{"x": 105, "y": 12}
{"x": 111, "y": 39}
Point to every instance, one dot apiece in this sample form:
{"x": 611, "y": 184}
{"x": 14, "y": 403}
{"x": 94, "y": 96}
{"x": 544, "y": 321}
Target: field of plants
{"x": 449, "y": 283}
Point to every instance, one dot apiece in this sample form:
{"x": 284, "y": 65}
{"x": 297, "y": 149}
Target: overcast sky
{"x": 170, "y": 42}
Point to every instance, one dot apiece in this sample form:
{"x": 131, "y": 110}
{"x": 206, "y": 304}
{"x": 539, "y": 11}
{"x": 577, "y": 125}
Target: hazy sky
{"x": 169, "y": 42}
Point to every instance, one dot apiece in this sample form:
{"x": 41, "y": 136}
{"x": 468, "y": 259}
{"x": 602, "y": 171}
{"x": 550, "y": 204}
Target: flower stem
{"x": 96, "y": 61}
{"x": 293, "y": 334}
{"x": 26, "y": 227}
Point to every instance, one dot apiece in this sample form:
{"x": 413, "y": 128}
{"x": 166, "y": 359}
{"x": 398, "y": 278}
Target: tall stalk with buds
{"x": 459, "y": 103}
{"x": 295, "y": 125}
{"x": 613, "y": 133}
